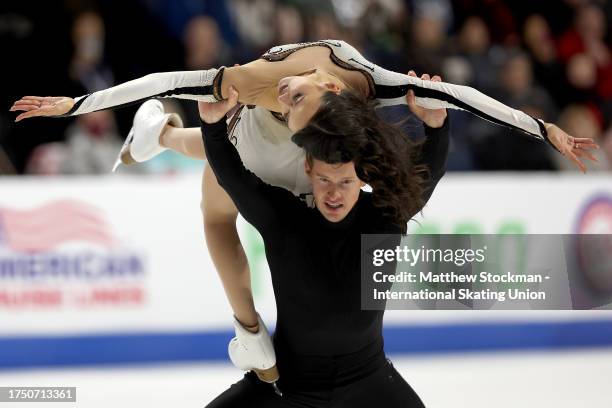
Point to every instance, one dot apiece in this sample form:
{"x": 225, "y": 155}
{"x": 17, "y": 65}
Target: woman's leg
{"x": 220, "y": 213}
{"x": 187, "y": 141}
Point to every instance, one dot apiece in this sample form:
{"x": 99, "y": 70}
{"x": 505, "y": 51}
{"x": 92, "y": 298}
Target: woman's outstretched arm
{"x": 391, "y": 88}
{"x": 196, "y": 85}
{"x": 211, "y": 85}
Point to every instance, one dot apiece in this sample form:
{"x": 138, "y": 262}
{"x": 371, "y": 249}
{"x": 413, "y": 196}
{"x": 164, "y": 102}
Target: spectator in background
{"x": 428, "y": 41}
{"x": 384, "y": 28}
{"x": 289, "y": 23}
{"x": 91, "y": 141}
{"x": 203, "y": 43}
{"x": 501, "y": 151}
{"x": 176, "y": 14}
{"x": 496, "y": 14}
{"x": 254, "y": 20}
{"x": 539, "y": 42}
{"x": 520, "y": 91}
{"x": 204, "y": 49}
{"x": 92, "y": 144}
{"x": 473, "y": 53}
{"x": 583, "y": 48}
{"x": 574, "y": 68}
{"x": 91, "y": 147}
{"x": 581, "y": 78}
{"x": 586, "y": 35}
{"x": 87, "y": 66}
{"x": 324, "y": 25}
{"x": 470, "y": 63}
{"x": 47, "y": 159}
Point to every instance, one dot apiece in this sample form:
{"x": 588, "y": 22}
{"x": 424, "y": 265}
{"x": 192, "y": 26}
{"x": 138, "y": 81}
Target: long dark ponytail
{"x": 347, "y": 128}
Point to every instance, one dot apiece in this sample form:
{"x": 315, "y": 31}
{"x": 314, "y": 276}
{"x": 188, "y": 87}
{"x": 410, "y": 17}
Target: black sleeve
{"x": 434, "y": 154}
{"x": 260, "y": 204}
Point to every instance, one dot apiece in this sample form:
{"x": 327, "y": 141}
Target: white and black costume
{"x": 274, "y": 158}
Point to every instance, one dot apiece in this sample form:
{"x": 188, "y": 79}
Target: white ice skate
{"x": 254, "y": 351}
{"x": 142, "y": 143}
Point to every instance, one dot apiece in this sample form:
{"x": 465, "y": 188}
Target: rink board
{"x": 114, "y": 269}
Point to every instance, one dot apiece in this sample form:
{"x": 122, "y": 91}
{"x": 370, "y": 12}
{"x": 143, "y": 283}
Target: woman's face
{"x": 300, "y": 96}
{"x": 335, "y": 188}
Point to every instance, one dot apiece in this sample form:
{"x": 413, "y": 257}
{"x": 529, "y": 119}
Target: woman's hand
{"x": 571, "y": 147}
{"x": 32, "y": 106}
{"x": 433, "y": 118}
{"x": 212, "y": 112}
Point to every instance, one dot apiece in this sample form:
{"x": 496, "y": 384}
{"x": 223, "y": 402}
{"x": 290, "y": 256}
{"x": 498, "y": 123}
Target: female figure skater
{"x": 327, "y": 65}
{"x": 329, "y": 352}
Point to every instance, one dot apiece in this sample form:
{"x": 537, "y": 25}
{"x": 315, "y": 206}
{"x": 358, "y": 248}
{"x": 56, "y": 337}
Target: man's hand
{"x": 433, "y": 118}
{"x": 42, "y": 106}
{"x": 212, "y": 112}
{"x": 571, "y": 147}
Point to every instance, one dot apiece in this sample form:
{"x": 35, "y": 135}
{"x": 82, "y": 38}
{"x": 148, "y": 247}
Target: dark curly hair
{"x": 347, "y": 128}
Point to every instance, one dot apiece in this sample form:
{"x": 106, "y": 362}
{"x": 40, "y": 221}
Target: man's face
{"x": 335, "y": 188}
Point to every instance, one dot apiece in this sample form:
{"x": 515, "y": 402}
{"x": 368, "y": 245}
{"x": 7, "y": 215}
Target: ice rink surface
{"x": 505, "y": 380}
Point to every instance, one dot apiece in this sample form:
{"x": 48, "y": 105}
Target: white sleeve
{"x": 195, "y": 85}
{"x": 391, "y": 88}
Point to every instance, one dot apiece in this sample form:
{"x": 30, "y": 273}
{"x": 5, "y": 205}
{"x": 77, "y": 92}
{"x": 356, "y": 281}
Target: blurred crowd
{"x": 551, "y": 59}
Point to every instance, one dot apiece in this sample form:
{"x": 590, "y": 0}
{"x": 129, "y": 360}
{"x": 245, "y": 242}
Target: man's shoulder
{"x": 376, "y": 220}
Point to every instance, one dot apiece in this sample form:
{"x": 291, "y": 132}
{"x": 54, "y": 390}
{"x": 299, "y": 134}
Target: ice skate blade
{"x": 124, "y": 158}
{"x": 124, "y": 155}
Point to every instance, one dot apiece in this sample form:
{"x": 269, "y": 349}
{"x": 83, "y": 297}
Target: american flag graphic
{"x": 48, "y": 226}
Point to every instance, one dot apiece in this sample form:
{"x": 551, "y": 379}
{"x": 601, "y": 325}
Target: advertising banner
{"x": 123, "y": 260}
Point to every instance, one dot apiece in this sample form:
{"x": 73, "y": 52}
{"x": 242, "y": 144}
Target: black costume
{"x": 329, "y": 352}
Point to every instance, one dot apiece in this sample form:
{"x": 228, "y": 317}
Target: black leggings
{"x": 381, "y": 386}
